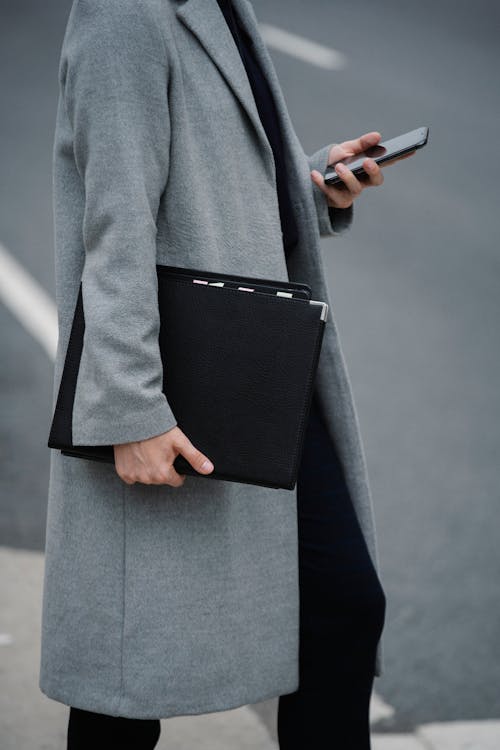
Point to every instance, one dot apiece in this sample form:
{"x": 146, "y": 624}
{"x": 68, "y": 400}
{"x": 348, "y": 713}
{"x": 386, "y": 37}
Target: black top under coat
{"x": 269, "y": 117}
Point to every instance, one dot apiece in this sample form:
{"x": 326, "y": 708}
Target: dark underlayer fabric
{"x": 269, "y": 117}
{"x": 87, "y": 729}
{"x": 342, "y": 608}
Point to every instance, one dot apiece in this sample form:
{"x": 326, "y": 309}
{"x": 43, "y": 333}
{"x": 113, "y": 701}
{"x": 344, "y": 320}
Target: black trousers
{"x": 342, "y": 612}
{"x": 342, "y": 609}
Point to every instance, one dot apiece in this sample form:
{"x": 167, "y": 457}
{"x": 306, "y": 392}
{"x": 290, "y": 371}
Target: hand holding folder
{"x": 239, "y": 358}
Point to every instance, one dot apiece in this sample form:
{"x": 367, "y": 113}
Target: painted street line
{"x": 302, "y": 48}
{"x": 397, "y": 742}
{"x": 449, "y": 735}
{"x": 460, "y": 735}
{"x": 379, "y": 709}
{"x": 28, "y": 302}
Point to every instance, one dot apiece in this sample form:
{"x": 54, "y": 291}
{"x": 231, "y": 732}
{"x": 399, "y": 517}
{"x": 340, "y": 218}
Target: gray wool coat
{"x": 161, "y": 601}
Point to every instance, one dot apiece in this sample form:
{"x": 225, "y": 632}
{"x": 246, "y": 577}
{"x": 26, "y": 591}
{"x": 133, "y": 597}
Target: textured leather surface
{"x": 238, "y": 373}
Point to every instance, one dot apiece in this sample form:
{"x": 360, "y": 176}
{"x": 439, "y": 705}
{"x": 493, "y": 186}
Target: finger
{"x": 170, "y": 476}
{"x": 337, "y": 153}
{"x": 362, "y": 143}
{"x": 341, "y": 151}
{"x": 351, "y": 182}
{"x": 126, "y": 478}
{"x": 196, "y": 458}
{"x": 161, "y": 473}
{"x": 338, "y": 196}
{"x": 372, "y": 169}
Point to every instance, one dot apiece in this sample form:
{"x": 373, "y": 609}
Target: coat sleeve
{"x": 331, "y": 221}
{"x": 114, "y": 77}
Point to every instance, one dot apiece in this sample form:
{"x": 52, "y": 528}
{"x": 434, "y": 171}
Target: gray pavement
{"x": 416, "y": 292}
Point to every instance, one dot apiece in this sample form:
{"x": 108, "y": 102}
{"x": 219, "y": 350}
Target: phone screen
{"x": 383, "y": 151}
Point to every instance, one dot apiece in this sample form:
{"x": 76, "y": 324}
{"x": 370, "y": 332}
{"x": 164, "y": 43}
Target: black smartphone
{"x": 382, "y": 152}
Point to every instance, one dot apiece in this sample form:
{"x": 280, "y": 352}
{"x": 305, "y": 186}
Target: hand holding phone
{"x": 383, "y": 153}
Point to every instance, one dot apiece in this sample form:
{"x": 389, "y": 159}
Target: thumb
{"x": 196, "y": 458}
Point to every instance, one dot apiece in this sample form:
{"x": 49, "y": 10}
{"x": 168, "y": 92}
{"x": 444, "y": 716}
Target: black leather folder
{"x": 239, "y": 356}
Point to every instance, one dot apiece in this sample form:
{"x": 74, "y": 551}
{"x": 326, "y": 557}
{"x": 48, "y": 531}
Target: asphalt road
{"x": 416, "y": 293}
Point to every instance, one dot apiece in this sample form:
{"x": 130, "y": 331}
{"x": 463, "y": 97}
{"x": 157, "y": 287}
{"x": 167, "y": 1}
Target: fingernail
{"x": 339, "y": 168}
{"x": 207, "y": 465}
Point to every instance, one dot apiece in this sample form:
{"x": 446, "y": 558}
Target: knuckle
{"x": 168, "y": 475}
{"x": 126, "y": 476}
{"x": 175, "y": 480}
{"x": 142, "y": 478}
{"x": 163, "y": 476}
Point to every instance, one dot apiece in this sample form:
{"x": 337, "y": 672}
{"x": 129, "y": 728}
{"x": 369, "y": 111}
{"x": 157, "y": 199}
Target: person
{"x": 163, "y": 594}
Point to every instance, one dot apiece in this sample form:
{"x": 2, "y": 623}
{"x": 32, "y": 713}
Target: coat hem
{"x": 108, "y": 707}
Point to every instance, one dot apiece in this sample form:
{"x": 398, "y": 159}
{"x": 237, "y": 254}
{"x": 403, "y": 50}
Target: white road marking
{"x": 460, "y": 735}
{"x": 28, "y": 301}
{"x": 302, "y": 48}
{"x": 397, "y": 742}
{"x": 379, "y": 709}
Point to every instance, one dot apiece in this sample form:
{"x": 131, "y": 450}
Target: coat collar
{"x": 205, "y": 19}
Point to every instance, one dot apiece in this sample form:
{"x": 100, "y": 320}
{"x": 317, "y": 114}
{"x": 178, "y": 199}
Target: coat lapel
{"x": 206, "y": 21}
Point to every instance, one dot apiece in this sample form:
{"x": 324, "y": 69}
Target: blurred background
{"x": 415, "y": 287}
